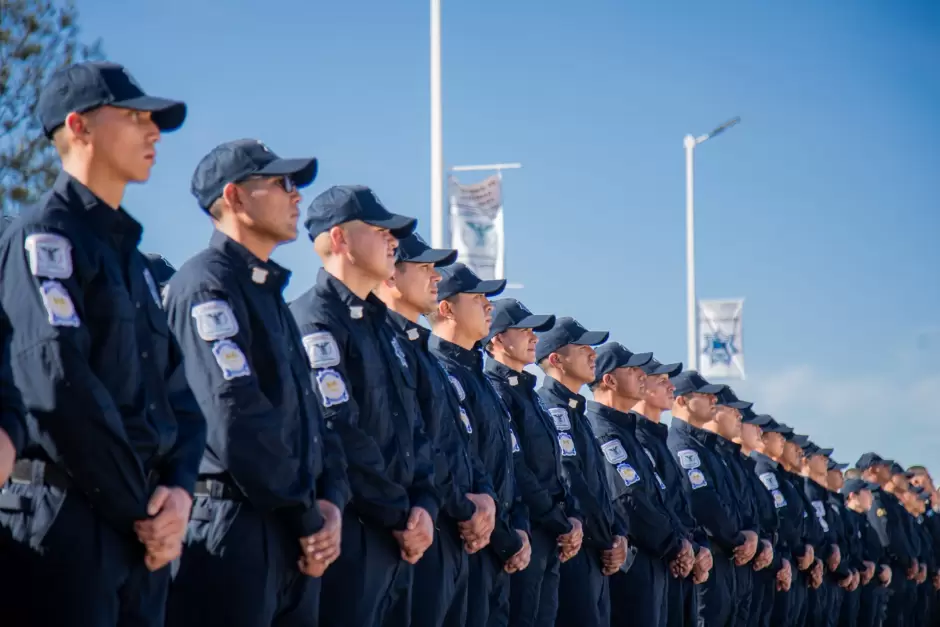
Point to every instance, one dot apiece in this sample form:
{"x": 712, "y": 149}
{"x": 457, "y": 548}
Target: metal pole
{"x": 690, "y": 255}
{"x": 437, "y": 150}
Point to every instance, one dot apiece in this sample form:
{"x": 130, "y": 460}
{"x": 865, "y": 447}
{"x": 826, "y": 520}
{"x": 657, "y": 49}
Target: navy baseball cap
{"x": 691, "y": 381}
{"x": 344, "y": 203}
{"x": 509, "y": 313}
{"x": 896, "y": 469}
{"x": 459, "y": 279}
{"x": 413, "y": 249}
{"x": 236, "y": 161}
{"x": 614, "y": 355}
{"x": 854, "y": 486}
{"x": 83, "y": 87}
{"x": 654, "y": 367}
{"x": 867, "y": 460}
{"x": 567, "y": 331}
{"x": 834, "y": 465}
{"x": 797, "y": 438}
{"x": 728, "y": 398}
{"x": 758, "y": 420}
{"x": 161, "y": 269}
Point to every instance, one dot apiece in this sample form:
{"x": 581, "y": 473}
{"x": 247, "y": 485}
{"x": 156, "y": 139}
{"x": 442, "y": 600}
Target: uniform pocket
{"x": 29, "y": 512}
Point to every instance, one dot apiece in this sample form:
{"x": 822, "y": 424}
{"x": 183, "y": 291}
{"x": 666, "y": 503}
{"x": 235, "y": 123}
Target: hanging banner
{"x": 721, "y": 348}
{"x": 476, "y": 226}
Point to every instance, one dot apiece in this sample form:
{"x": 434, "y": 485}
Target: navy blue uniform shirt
{"x": 786, "y": 504}
{"x": 583, "y": 465}
{"x": 12, "y": 413}
{"x": 764, "y": 507}
{"x": 637, "y": 490}
{"x": 547, "y": 497}
{"x": 491, "y": 437}
{"x": 247, "y": 368}
{"x": 92, "y": 354}
{"x": 708, "y": 483}
{"x": 457, "y": 472}
{"x": 652, "y": 436}
{"x": 361, "y": 376}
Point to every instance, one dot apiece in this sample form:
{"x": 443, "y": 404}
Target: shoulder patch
{"x": 769, "y": 480}
{"x": 459, "y": 388}
{"x": 614, "y": 451}
{"x": 400, "y": 353}
{"x": 49, "y": 255}
{"x": 332, "y": 387}
{"x": 779, "y": 500}
{"x": 215, "y": 320}
{"x": 322, "y": 349}
{"x": 231, "y": 359}
{"x": 697, "y": 479}
{"x": 628, "y": 474}
{"x": 465, "y": 419}
{"x": 689, "y": 459}
{"x": 566, "y": 443}
{"x": 59, "y": 306}
{"x": 560, "y": 418}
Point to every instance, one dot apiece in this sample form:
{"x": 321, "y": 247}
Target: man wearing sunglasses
{"x": 272, "y": 481}
{"x": 116, "y": 449}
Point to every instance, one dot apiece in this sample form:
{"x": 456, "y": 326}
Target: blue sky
{"x": 820, "y": 208}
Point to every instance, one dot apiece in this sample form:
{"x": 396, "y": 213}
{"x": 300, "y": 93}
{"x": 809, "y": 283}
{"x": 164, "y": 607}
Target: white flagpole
{"x": 437, "y": 147}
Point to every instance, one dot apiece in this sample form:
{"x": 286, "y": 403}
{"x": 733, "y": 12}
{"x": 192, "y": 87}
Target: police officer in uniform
{"x": 468, "y": 509}
{"x": 13, "y": 434}
{"x": 565, "y": 355}
{"x": 864, "y": 607}
{"x": 887, "y": 517}
{"x": 272, "y": 481}
{"x": 727, "y": 425}
{"x": 460, "y": 322}
{"x": 663, "y": 551}
{"x": 763, "y": 444}
{"x": 711, "y": 491}
{"x": 652, "y": 433}
{"x": 162, "y": 271}
{"x": 764, "y": 579}
{"x": 114, "y": 451}
{"x": 850, "y": 545}
{"x": 361, "y": 374}
{"x": 555, "y": 520}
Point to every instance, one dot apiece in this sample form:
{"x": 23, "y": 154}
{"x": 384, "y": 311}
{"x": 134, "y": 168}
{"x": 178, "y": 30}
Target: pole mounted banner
{"x": 721, "y": 344}
{"x": 476, "y": 226}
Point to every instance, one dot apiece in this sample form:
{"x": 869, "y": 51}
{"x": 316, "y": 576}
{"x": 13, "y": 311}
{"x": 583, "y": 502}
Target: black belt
{"x": 215, "y": 489}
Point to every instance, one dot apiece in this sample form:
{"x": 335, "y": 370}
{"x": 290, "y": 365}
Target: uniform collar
{"x": 734, "y": 447}
{"x": 412, "y": 330}
{"x": 472, "y": 358}
{"x": 705, "y": 437}
{"x": 563, "y": 394}
{"x": 628, "y": 419}
{"x": 760, "y": 457}
{"x": 109, "y": 222}
{"x": 657, "y": 428}
{"x": 265, "y": 274}
{"x": 523, "y": 380}
{"x": 358, "y": 307}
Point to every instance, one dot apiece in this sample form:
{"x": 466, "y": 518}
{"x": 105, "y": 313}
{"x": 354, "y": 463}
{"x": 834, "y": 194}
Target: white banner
{"x": 476, "y": 226}
{"x": 721, "y": 347}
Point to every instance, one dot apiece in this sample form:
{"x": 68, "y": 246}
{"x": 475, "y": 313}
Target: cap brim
{"x": 592, "y": 338}
{"x": 839, "y": 467}
{"x": 711, "y": 388}
{"x": 670, "y": 370}
{"x": 538, "y": 323}
{"x": 638, "y": 360}
{"x": 799, "y": 440}
{"x": 493, "y": 287}
{"x": 301, "y": 171}
{"x": 826, "y": 451}
{"x": 739, "y": 405}
{"x": 168, "y": 115}
{"x": 759, "y": 420}
{"x": 399, "y": 226}
{"x": 437, "y": 256}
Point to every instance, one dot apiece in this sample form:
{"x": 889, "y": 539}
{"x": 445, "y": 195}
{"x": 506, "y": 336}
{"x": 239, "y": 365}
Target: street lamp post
{"x": 690, "y": 143}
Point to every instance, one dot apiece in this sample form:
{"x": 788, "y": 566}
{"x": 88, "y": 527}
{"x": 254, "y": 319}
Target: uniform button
{"x": 152, "y": 406}
{"x": 138, "y": 304}
{"x": 407, "y": 454}
{"x": 145, "y": 354}
{"x": 315, "y": 439}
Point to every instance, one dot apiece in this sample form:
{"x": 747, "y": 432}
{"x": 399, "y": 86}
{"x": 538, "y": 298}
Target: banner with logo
{"x": 720, "y": 341}
{"x": 476, "y": 226}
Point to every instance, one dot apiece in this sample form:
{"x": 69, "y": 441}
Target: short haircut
{"x": 853, "y": 473}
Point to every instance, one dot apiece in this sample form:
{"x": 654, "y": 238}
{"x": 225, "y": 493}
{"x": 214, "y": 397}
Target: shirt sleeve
{"x": 12, "y": 413}
{"x": 423, "y": 492}
{"x": 245, "y": 429}
{"x": 708, "y": 507}
{"x": 181, "y": 464}
{"x": 333, "y": 485}
{"x": 49, "y": 356}
{"x": 378, "y": 498}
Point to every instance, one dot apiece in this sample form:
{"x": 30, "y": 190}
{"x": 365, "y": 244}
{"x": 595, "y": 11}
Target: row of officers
{"x": 189, "y": 449}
